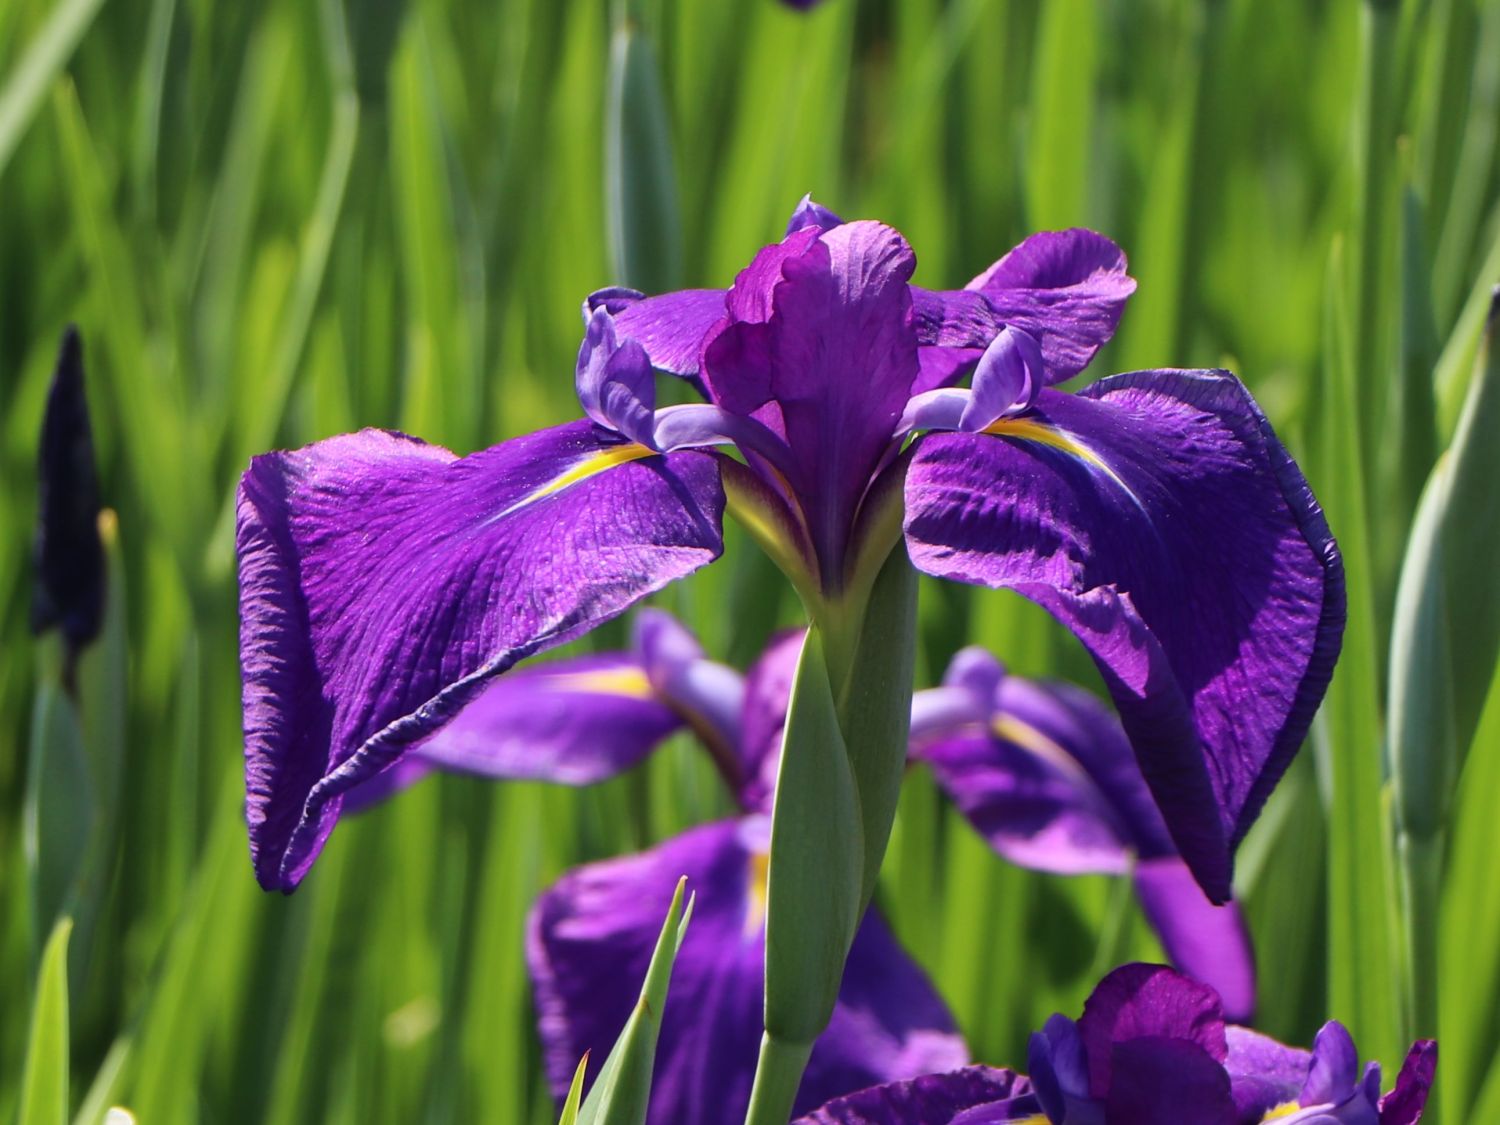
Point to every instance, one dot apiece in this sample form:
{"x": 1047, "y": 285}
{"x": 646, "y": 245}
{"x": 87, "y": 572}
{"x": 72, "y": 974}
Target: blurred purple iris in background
{"x": 1042, "y": 770}
{"x": 1152, "y": 1047}
{"x": 385, "y": 582}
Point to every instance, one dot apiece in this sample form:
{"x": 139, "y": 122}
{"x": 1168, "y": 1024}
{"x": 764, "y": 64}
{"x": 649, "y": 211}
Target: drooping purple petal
{"x": 384, "y": 582}
{"x": 590, "y": 939}
{"x": 975, "y": 1095}
{"x": 819, "y": 341}
{"x": 1207, "y": 942}
{"x": 1158, "y": 517}
{"x": 1148, "y": 1002}
{"x": 574, "y": 722}
{"x": 1404, "y": 1104}
{"x": 1066, "y": 288}
{"x": 1033, "y": 811}
{"x": 671, "y": 327}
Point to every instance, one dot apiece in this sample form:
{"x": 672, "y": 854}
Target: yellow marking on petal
{"x": 1034, "y": 1119}
{"x": 1007, "y": 728}
{"x": 591, "y": 465}
{"x": 1286, "y": 1109}
{"x": 755, "y": 893}
{"x": 629, "y": 682}
{"x": 1029, "y": 429}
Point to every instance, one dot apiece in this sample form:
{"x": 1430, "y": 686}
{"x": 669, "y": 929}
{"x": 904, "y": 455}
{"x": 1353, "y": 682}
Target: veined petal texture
{"x": 384, "y": 582}
{"x": 1158, "y": 517}
{"x": 591, "y": 935}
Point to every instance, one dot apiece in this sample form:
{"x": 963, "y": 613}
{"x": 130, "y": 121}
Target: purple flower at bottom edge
{"x": 1152, "y": 1047}
{"x": 591, "y": 935}
{"x": 385, "y": 582}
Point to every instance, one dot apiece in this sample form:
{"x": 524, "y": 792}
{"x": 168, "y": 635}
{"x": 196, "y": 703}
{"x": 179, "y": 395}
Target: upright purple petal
{"x": 975, "y": 1095}
{"x": 1335, "y": 1071}
{"x": 819, "y": 345}
{"x": 384, "y": 582}
{"x": 1148, "y": 1002}
{"x": 591, "y": 937}
{"x": 1404, "y": 1104}
{"x": 1066, "y": 288}
{"x": 1159, "y": 518}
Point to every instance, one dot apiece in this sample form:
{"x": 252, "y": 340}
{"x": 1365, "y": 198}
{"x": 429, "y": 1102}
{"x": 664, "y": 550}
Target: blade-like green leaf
{"x": 622, "y": 1091}
{"x": 575, "y": 1094}
{"x": 59, "y": 805}
{"x": 817, "y": 859}
{"x": 640, "y": 180}
{"x": 45, "y": 57}
{"x": 44, "y": 1083}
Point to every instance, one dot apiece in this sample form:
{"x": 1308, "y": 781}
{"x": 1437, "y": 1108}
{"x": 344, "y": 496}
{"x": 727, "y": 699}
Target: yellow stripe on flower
{"x": 1028, "y": 738}
{"x": 1034, "y": 1119}
{"x": 1286, "y": 1109}
{"x": 1029, "y": 429}
{"x": 591, "y": 465}
{"x": 628, "y": 682}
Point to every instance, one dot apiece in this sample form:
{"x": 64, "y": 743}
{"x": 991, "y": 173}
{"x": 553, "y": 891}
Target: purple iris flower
{"x": 1042, "y": 770}
{"x": 1152, "y": 1046}
{"x": 591, "y": 935}
{"x": 1046, "y": 775}
{"x": 384, "y": 582}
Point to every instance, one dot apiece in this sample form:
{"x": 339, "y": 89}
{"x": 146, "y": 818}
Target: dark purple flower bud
{"x": 68, "y": 555}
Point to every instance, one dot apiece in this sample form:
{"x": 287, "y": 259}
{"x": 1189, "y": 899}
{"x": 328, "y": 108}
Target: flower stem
{"x": 777, "y": 1076}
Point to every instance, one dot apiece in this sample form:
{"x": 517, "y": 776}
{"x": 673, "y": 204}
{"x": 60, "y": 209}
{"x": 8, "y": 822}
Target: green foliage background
{"x": 274, "y": 222}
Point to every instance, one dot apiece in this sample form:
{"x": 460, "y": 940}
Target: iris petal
{"x": 975, "y": 1095}
{"x": 591, "y": 937}
{"x": 1159, "y": 518}
{"x": 384, "y": 581}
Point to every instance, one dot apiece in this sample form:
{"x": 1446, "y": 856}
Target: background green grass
{"x": 274, "y": 222}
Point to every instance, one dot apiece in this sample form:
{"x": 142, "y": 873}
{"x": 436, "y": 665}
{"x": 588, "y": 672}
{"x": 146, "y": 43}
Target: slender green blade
{"x": 44, "y": 1082}
{"x": 817, "y": 859}
{"x": 45, "y": 56}
{"x": 575, "y": 1094}
{"x": 622, "y": 1091}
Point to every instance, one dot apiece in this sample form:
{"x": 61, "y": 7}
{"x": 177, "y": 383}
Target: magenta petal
{"x": 819, "y": 333}
{"x": 1066, "y": 288}
{"x": 384, "y": 581}
{"x": 1404, "y": 1104}
{"x": 1207, "y": 942}
{"x": 1158, "y": 517}
{"x": 975, "y": 1095}
{"x": 590, "y": 940}
{"x": 1148, "y": 1001}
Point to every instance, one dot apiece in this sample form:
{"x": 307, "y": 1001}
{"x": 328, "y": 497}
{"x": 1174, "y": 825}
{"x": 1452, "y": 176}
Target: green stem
{"x": 1421, "y": 872}
{"x": 777, "y": 1076}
